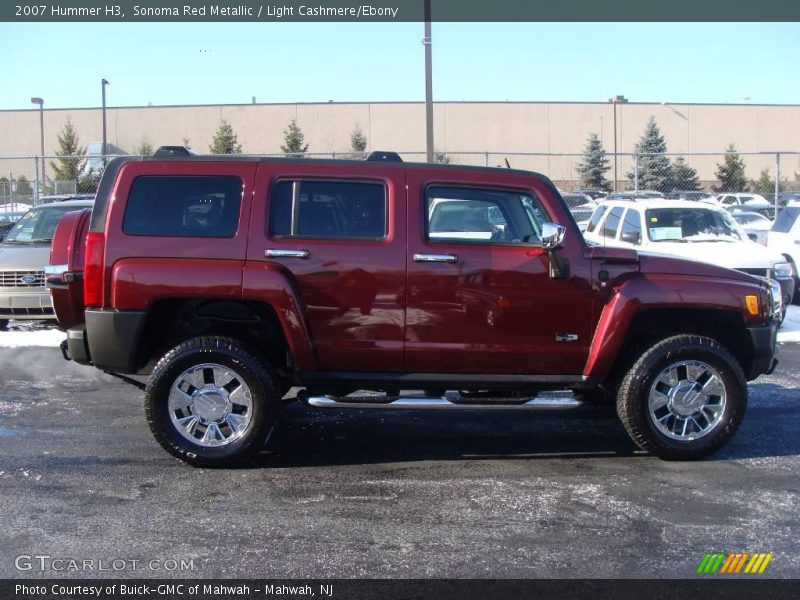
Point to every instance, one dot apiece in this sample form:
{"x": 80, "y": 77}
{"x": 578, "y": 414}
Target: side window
{"x": 328, "y": 209}
{"x": 596, "y": 216}
{"x": 183, "y": 206}
{"x": 612, "y": 222}
{"x": 485, "y": 216}
{"x": 632, "y": 227}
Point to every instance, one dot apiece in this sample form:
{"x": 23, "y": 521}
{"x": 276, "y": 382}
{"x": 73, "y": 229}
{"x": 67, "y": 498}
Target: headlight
{"x": 782, "y": 270}
{"x": 775, "y": 299}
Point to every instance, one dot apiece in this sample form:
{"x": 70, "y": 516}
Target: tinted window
{"x": 482, "y": 216}
{"x": 328, "y": 209}
{"x": 612, "y": 222}
{"x": 632, "y": 227}
{"x": 598, "y": 214}
{"x": 786, "y": 219}
{"x": 202, "y": 206}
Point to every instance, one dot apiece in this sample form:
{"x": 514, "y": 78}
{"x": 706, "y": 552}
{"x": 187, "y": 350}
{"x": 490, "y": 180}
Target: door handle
{"x": 280, "y": 253}
{"x": 443, "y": 258}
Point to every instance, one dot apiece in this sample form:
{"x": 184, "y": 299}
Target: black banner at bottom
{"x": 400, "y": 589}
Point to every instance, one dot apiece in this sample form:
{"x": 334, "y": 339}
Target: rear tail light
{"x": 93, "y": 271}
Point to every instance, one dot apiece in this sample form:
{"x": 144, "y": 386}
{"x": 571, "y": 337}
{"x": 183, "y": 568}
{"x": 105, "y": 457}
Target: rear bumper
{"x": 765, "y": 348}
{"x": 109, "y": 339}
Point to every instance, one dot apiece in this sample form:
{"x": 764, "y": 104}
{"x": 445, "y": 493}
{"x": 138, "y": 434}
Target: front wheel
{"x": 684, "y": 398}
{"x": 211, "y": 402}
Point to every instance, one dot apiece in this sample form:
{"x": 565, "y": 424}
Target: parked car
{"x": 635, "y": 194}
{"x": 24, "y": 252}
{"x": 691, "y": 230}
{"x": 229, "y": 280}
{"x": 784, "y": 237}
{"x": 63, "y": 198}
{"x": 575, "y": 200}
{"x": 594, "y": 194}
{"x": 754, "y": 224}
{"x": 785, "y": 198}
{"x": 688, "y": 195}
{"x": 748, "y": 200}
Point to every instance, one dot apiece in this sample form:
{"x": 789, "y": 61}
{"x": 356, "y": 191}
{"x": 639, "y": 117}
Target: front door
{"x": 480, "y": 296}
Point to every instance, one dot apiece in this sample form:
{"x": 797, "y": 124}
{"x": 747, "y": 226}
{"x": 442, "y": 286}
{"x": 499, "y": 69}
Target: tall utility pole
{"x": 103, "y": 85}
{"x": 426, "y": 41}
{"x": 616, "y": 100}
{"x": 40, "y": 182}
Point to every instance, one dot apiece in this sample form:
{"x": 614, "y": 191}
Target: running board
{"x": 414, "y": 403}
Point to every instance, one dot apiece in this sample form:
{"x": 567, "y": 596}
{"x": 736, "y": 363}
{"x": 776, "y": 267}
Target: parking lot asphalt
{"x": 383, "y": 494}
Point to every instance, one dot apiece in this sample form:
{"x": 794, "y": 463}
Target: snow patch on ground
{"x": 45, "y": 338}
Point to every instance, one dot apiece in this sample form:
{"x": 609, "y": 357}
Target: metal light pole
{"x": 426, "y": 41}
{"x": 103, "y": 85}
{"x": 40, "y": 102}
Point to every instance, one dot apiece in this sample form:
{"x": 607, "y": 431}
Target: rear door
{"x": 337, "y": 231}
{"x": 480, "y": 298}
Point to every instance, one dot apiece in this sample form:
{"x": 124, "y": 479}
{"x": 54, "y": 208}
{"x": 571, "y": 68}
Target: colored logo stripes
{"x": 735, "y": 562}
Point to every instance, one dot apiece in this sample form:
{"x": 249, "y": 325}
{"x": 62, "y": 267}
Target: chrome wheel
{"x": 210, "y": 405}
{"x": 687, "y": 400}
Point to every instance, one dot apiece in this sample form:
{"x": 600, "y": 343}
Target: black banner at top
{"x": 254, "y": 11}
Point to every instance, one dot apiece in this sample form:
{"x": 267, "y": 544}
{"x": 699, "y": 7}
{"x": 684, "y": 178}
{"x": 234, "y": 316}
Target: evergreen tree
{"x": 71, "y": 156}
{"x": 24, "y": 187}
{"x": 592, "y": 169}
{"x": 655, "y": 171}
{"x": 293, "y": 139}
{"x": 186, "y": 142}
{"x": 89, "y": 182}
{"x": 765, "y": 184}
{"x": 144, "y": 148}
{"x": 684, "y": 177}
{"x": 225, "y": 140}
{"x": 358, "y": 142}
{"x": 730, "y": 173}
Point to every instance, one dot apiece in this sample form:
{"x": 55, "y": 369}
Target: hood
{"x": 731, "y": 255}
{"x": 671, "y": 265}
{"x": 24, "y": 257}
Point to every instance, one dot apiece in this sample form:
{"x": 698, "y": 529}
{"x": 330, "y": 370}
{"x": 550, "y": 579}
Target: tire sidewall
{"x": 157, "y": 397}
{"x": 735, "y": 404}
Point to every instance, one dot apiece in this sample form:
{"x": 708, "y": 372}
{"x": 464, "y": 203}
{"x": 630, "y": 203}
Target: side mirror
{"x": 552, "y": 235}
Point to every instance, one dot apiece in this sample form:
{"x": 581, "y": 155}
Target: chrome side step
{"x": 418, "y": 403}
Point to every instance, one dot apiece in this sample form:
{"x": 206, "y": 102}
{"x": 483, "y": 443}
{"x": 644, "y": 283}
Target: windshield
{"x": 786, "y": 219}
{"x": 691, "y": 225}
{"x": 38, "y": 225}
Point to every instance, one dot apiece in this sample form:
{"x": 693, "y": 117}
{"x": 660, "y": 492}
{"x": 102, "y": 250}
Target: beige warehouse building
{"x": 487, "y": 131}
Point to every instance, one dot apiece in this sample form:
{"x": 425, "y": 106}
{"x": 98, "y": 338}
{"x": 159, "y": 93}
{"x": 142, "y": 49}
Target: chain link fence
{"x": 24, "y": 181}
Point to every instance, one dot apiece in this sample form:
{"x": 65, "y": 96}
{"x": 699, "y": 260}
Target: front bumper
{"x": 26, "y": 303}
{"x": 765, "y": 348}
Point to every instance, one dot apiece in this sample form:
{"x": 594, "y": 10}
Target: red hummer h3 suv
{"x": 230, "y": 280}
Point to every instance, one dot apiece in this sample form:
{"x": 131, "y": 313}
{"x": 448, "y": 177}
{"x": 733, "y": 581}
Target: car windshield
{"x": 691, "y": 225}
{"x": 786, "y": 219}
{"x": 37, "y": 226}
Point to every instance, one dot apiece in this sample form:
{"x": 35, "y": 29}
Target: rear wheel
{"x": 684, "y": 398}
{"x": 211, "y": 402}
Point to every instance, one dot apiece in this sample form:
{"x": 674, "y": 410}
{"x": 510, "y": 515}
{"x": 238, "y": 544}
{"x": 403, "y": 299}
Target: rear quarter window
{"x": 183, "y": 206}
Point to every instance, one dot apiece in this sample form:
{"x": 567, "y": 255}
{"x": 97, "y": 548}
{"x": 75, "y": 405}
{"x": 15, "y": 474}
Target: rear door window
{"x": 329, "y": 209}
{"x": 611, "y": 224}
{"x": 183, "y": 206}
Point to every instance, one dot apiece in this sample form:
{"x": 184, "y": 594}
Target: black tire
{"x": 633, "y": 394}
{"x": 229, "y": 353}
{"x": 3, "y": 324}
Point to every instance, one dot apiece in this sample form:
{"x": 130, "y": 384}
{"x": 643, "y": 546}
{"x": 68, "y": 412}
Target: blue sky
{"x": 196, "y": 63}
